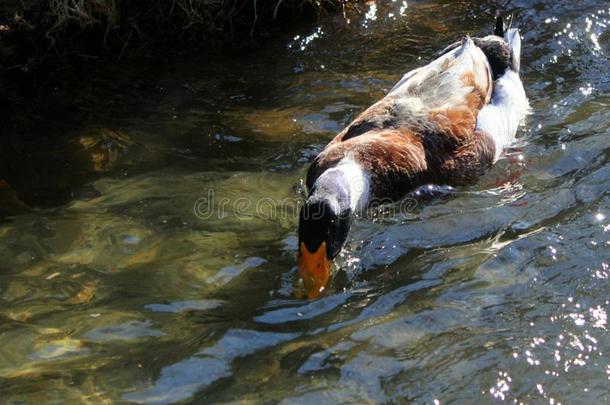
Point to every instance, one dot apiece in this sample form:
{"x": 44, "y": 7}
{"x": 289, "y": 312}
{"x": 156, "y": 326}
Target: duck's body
{"x": 443, "y": 123}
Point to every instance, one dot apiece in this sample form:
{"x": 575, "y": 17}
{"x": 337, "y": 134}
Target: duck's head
{"x": 323, "y": 227}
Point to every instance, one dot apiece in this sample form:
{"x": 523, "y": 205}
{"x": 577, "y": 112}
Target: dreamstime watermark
{"x": 212, "y": 207}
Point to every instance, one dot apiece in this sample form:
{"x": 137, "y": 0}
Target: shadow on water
{"x": 137, "y": 262}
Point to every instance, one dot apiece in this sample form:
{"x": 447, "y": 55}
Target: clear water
{"x": 119, "y": 283}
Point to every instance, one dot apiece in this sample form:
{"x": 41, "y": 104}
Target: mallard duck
{"x": 443, "y": 123}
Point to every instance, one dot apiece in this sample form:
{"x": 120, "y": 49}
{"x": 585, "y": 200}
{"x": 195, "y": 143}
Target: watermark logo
{"x": 210, "y": 207}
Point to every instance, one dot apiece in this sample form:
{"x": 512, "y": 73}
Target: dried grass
{"x": 116, "y": 26}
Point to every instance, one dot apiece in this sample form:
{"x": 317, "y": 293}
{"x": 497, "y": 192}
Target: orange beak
{"x": 314, "y": 269}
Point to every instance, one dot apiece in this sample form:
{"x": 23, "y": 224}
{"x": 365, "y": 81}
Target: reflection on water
{"x": 114, "y": 285}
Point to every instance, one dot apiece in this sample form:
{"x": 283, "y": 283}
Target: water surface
{"x": 147, "y": 240}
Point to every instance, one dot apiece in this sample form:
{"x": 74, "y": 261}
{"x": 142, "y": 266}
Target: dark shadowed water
{"x": 147, "y": 246}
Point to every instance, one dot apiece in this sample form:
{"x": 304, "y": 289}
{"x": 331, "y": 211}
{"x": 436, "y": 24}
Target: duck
{"x": 443, "y": 123}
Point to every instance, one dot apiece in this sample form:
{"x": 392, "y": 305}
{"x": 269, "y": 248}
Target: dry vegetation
{"x": 31, "y": 30}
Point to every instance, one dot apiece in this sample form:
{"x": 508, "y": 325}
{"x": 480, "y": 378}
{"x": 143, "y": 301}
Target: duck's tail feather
{"x": 512, "y": 37}
{"x": 499, "y": 30}
{"x": 502, "y": 25}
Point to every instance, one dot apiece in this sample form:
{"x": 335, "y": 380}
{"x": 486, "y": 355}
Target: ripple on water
{"x": 130, "y": 330}
{"x": 181, "y": 380}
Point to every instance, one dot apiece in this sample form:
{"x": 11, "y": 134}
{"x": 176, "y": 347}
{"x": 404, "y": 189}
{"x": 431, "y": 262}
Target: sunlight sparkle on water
{"x": 595, "y": 42}
{"x": 586, "y": 90}
{"x": 302, "y": 43}
{"x": 403, "y": 8}
{"x": 502, "y": 386}
{"x": 371, "y": 13}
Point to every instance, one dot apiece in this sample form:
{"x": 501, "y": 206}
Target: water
{"x": 136, "y": 265}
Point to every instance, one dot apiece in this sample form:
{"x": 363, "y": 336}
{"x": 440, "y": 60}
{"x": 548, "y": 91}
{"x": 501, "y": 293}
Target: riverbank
{"x": 32, "y": 33}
